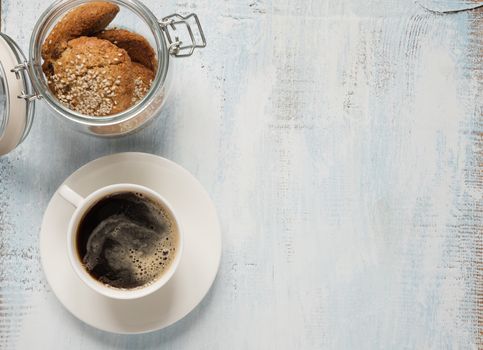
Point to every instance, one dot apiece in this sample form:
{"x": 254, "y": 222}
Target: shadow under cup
{"x": 110, "y": 228}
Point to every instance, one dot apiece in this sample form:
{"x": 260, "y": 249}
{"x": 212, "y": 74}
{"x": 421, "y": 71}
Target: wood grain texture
{"x": 474, "y": 168}
{"x": 342, "y": 143}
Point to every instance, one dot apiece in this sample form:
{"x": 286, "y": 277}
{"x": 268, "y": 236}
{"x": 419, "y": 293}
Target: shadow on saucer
{"x": 152, "y": 340}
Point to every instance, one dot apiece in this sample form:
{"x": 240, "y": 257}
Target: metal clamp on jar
{"x": 22, "y": 81}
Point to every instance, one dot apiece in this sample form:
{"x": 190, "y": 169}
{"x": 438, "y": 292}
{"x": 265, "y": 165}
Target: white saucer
{"x": 198, "y": 266}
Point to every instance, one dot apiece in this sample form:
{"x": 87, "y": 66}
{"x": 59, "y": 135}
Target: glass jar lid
{"x": 16, "y": 99}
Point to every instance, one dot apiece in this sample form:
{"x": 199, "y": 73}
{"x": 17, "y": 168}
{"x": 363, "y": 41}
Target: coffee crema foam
{"x": 131, "y": 240}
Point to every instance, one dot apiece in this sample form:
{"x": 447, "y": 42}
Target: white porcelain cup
{"x": 82, "y": 206}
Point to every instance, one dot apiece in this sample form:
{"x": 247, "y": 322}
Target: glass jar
{"x": 22, "y": 81}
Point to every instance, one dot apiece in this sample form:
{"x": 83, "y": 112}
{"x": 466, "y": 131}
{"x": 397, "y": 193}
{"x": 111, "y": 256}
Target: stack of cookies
{"x": 94, "y": 71}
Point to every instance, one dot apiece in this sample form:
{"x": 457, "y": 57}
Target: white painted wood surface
{"x": 342, "y": 144}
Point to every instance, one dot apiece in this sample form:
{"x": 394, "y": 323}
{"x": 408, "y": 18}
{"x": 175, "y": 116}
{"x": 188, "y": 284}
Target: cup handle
{"x": 70, "y": 195}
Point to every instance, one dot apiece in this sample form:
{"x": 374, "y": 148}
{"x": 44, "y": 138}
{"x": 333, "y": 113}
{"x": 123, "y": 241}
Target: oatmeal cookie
{"x": 136, "y": 46}
{"x": 143, "y": 77}
{"x": 83, "y": 20}
{"x": 93, "y": 77}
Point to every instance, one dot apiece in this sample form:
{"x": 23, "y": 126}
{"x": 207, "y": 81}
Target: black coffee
{"x": 126, "y": 240}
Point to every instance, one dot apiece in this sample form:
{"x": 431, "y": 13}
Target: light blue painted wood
{"x": 339, "y": 140}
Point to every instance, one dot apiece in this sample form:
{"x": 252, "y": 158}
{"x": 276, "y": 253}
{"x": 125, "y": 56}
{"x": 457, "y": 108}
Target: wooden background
{"x": 342, "y": 143}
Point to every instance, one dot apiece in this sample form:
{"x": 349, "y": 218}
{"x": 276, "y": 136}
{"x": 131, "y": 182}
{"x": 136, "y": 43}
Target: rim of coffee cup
{"x": 102, "y": 288}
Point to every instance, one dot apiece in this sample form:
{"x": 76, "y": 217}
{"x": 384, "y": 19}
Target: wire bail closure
{"x": 19, "y": 70}
{"x": 24, "y": 66}
{"x": 176, "y": 46}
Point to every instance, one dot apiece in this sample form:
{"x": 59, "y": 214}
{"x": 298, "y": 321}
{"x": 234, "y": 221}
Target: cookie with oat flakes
{"x": 86, "y": 19}
{"x": 136, "y": 46}
{"x": 93, "y": 77}
{"x": 143, "y": 77}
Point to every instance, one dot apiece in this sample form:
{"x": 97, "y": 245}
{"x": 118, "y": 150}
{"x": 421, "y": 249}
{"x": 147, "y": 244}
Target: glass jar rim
{"x": 59, "y": 9}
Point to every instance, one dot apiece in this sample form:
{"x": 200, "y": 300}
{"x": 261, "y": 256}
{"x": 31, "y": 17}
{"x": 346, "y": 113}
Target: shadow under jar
{"x": 22, "y": 81}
